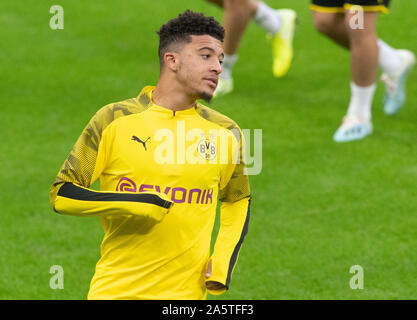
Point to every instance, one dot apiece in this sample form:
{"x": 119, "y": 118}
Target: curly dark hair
{"x": 181, "y": 28}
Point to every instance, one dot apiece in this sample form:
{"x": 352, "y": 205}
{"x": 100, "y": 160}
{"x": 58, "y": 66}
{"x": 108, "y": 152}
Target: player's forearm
{"x": 74, "y": 200}
{"x": 234, "y": 220}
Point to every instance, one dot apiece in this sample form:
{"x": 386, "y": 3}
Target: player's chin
{"x": 206, "y": 95}
{"x": 207, "y": 91}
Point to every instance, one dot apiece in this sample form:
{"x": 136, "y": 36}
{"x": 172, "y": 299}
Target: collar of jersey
{"x": 162, "y": 110}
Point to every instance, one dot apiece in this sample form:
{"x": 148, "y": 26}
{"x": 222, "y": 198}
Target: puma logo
{"x": 140, "y": 141}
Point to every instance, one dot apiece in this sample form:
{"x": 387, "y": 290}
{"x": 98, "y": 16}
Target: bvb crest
{"x": 207, "y": 148}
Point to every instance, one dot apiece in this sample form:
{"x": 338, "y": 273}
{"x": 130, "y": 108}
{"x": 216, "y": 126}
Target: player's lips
{"x": 212, "y": 81}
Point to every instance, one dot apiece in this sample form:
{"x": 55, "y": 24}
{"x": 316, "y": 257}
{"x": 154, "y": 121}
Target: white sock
{"x": 227, "y": 65}
{"x": 267, "y": 18}
{"x": 388, "y": 58}
{"x": 361, "y": 101}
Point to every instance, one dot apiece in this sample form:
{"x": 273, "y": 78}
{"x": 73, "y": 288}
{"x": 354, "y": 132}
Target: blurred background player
{"x": 279, "y": 24}
{"x": 338, "y": 20}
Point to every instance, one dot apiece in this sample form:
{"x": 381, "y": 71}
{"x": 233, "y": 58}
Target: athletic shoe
{"x": 224, "y": 86}
{"x": 395, "y": 84}
{"x": 352, "y": 128}
{"x": 282, "y": 47}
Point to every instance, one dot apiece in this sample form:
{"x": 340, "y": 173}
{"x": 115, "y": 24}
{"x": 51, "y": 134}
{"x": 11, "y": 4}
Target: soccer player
{"x": 161, "y": 170}
{"x": 338, "y": 20}
{"x": 280, "y": 24}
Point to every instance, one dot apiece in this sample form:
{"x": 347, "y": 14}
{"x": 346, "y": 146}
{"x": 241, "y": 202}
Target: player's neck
{"x": 171, "y": 96}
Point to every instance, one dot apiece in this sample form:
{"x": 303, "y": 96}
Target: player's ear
{"x": 171, "y": 60}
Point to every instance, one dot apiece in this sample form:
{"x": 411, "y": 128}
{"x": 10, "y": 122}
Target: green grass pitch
{"x": 318, "y": 207}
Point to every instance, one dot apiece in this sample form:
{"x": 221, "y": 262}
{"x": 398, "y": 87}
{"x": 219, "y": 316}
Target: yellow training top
{"x": 161, "y": 173}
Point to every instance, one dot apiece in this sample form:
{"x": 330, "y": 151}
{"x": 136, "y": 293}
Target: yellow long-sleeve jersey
{"x": 160, "y": 173}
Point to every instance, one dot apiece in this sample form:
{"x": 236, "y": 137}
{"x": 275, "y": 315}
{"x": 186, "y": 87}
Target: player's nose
{"x": 216, "y": 67}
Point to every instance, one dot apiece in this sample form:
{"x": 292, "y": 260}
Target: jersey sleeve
{"x": 81, "y": 163}
{"x": 75, "y": 200}
{"x": 234, "y": 215}
{"x": 70, "y": 193}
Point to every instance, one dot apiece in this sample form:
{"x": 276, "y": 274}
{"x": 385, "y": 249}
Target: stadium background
{"x": 318, "y": 207}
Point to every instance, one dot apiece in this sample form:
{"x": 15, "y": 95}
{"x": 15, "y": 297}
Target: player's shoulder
{"x": 217, "y": 117}
{"x": 116, "y": 111}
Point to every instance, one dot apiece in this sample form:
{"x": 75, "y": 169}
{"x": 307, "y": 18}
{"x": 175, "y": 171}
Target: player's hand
{"x": 212, "y": 285}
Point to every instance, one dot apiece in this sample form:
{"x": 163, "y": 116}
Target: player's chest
{"x": 174, "y": 149}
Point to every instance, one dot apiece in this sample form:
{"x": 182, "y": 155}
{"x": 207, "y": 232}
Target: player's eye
{"x": 206, "y": 56}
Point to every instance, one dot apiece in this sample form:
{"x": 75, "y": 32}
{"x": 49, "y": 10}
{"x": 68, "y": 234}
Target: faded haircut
{"x": 180, "y": 29}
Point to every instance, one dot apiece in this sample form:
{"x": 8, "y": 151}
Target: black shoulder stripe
{"x": 219, "y": 119}
{"x": 237, "y": 248}
{"x": 144, "y": 99}
{"x": 71, "y": 191}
